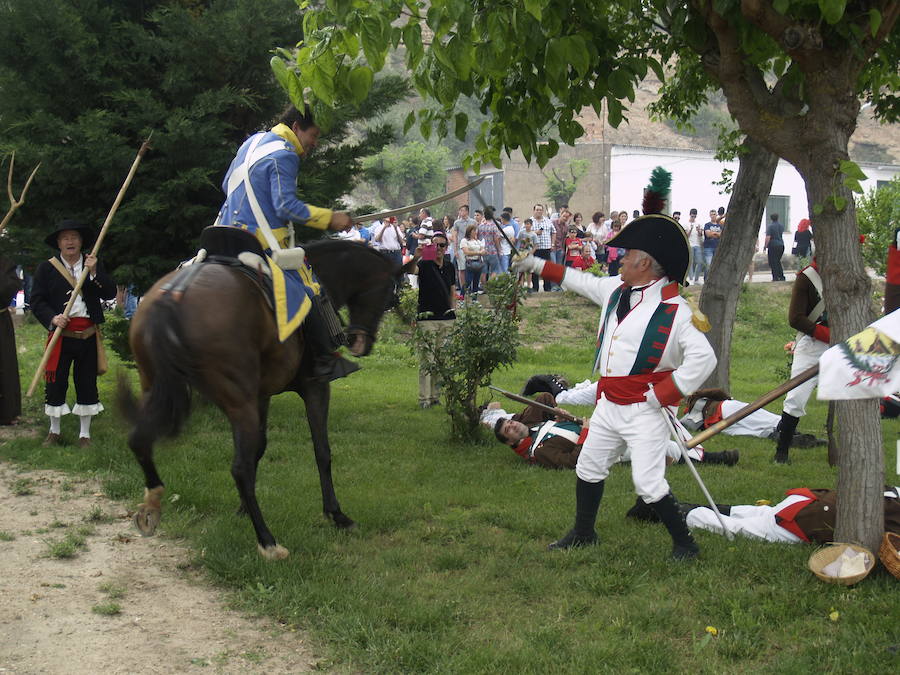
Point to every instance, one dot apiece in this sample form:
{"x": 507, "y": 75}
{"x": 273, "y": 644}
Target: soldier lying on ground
{"x": 539, "y": 438}
{"x": 704, "y": 408}
{"x": 804, "y": 515}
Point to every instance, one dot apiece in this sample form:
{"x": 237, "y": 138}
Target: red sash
{"x": 785, "y": 517}
{"x": 630, "y": 388}
{"x": 715, "y": 417}
{"x": 75, "y": 323}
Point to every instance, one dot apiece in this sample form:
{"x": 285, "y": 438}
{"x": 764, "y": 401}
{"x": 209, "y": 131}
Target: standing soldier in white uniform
{"x": 649, "y": 355}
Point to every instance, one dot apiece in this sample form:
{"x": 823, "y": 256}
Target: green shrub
{"x": 464, "y": 359}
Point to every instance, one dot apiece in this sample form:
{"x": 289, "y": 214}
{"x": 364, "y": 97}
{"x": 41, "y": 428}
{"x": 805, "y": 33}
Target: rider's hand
{"x": 340, "y": 221}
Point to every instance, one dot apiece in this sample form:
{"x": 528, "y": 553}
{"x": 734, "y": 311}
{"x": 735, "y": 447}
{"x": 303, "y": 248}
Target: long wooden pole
{"x": 559, "y": 412}
{"x": 765, "y": 399}
{"x": 145, "y": 146}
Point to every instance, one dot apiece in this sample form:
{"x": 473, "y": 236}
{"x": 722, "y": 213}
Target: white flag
{"x": 865, "y": 365}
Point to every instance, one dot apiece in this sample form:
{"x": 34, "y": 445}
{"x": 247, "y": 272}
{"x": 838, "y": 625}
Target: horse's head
{"x": 360, "y": 279}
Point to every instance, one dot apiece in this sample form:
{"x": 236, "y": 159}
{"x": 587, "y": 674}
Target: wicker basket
{"x": 890, "y": 553}
{"x": 828, "y": 554}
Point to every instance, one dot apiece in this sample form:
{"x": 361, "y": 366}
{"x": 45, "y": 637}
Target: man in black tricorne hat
{"x": 53, "y": 283}
{"x": 649, "y": 354}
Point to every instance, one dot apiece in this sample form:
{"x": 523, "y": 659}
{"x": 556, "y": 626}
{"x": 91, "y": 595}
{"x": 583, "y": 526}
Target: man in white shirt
{"x": 388, "y": 238}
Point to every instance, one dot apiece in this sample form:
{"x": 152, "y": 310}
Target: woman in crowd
{"x": 473, "y": 249}
{"x": 803, "y": 242}
{"x": 613, "y": 257}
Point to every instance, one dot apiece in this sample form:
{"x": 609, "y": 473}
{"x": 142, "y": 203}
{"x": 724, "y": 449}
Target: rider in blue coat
{"x": 261, "y": 198}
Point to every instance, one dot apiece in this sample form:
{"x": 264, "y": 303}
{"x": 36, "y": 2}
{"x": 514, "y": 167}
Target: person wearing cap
{"x": 650, "y": 354}
{"x": 54, "y": 280}
{"x": 261, "y": 198}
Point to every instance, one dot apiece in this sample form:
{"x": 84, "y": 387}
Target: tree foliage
{"x": 406, "y": 174}
{"x": 878, "y": 212}
{"x": 560, "y": 188}
{"x": 85, "y": 81}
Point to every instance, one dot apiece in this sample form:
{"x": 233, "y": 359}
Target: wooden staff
{"x": 778, "y": 392}
{"x": 84, "y": 273}
{"x": 14, "y": 203}
{"x": 559, "y": 412}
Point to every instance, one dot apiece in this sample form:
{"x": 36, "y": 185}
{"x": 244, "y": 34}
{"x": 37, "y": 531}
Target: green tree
{"x": 879, "y": 216}
{"x": 792, "y": 72}
{"x": 85, "y": 81}
{"x": 406, "y": 174}
{"x": 559, "y": 188}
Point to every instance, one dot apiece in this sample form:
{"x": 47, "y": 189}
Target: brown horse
{"x": 219, "y": 337}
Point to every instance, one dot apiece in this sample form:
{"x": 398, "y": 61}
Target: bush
{"x": 464, "y": 359}
{"x": 878, "y": 215}
{"x": 115, "y": 335}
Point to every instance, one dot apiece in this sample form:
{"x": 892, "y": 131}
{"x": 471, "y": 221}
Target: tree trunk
{"x": 720, "y": 294}
{"x": 848, "y": 294}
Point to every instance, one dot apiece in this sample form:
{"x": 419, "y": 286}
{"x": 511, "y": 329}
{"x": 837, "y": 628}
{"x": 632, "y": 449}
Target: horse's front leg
{"x": 245, "y": 429}
{"x": 316, "y": 396}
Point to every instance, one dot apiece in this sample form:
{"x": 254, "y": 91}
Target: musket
{"x": 381, "y": 215}
{"x": 559, "y": 412}
{"x": 765, "y": 399}
{"x": 84, "y": 272}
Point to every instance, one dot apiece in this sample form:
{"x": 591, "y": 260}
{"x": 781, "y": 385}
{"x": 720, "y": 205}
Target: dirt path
{"x": 59, "y": 614}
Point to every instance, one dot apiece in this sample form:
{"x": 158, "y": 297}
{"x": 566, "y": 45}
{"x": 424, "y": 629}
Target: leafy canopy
{"x": 533, "y": 65}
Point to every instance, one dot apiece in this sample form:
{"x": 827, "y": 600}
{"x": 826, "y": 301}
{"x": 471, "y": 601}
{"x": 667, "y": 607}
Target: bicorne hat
{"x": 660, "y": 236}
{"x": 86, "y": 232}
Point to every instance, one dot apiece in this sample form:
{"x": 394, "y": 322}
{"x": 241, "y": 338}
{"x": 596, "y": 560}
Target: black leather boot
{"x": 642, "y": 511}
{"x": 327, "y": 363}
{"x": 587, "y": 503}
{"x": 786, "y": 429}
{"x": 726, "y": 457}
{"x": 683, "y": 545}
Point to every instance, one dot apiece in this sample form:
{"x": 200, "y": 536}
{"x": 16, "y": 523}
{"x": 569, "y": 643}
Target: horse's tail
{"x": 163, "y": 409}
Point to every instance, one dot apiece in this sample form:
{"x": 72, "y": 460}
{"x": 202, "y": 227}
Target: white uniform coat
{"x": 639, "y": 427}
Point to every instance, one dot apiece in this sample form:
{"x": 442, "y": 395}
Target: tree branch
{"x": 14, "y": 203}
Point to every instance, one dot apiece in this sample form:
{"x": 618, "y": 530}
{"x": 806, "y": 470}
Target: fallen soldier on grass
{"x": 539, "y": 438}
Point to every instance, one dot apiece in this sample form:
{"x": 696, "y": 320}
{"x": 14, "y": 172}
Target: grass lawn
{"x": 448, "y": 569}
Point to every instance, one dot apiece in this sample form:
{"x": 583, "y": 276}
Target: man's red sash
{"x": 785, "y": 517}
{"x": 75, "y": 324}
{"x": 630, "y": 388}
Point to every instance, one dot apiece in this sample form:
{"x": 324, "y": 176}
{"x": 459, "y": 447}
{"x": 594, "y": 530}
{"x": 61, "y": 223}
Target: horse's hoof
{"x": 146, "y": 519}
{"x": 276, "y": 552}
{"x": 342, "y": 522}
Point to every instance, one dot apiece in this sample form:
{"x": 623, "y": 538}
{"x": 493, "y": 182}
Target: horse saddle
{"x": 224, "y": 245}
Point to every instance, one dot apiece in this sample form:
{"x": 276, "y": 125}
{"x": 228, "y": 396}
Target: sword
{"x": 559, "y": 412}
{"x": 381, "y": 215}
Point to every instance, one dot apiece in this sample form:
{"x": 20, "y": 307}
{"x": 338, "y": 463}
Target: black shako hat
{"x": 660, "y": 236}
{"x": 86, "y": 231}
